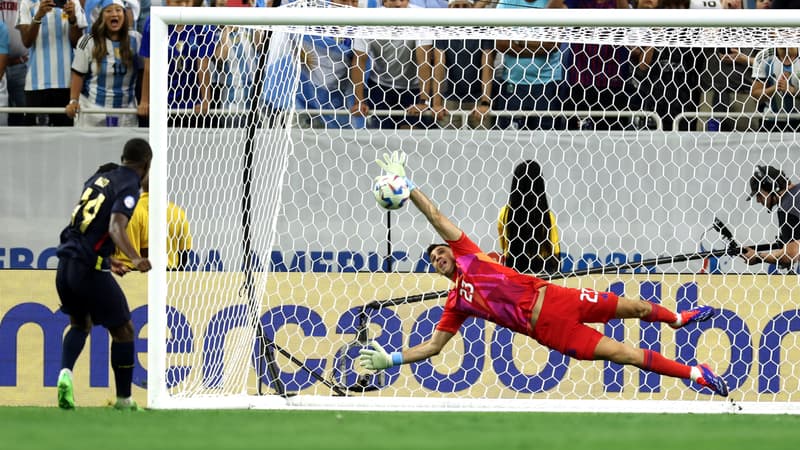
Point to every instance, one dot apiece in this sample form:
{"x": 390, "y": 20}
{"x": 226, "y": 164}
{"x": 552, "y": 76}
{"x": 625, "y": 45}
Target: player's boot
{"x": 125, "y": 405}
{"x": 699, "y": 314}
{"x": 712, "y": 381}
{"x": 66, "y": 400}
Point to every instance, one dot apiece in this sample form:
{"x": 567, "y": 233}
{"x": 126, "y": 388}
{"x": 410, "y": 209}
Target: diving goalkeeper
{"x": 553, "y": 315}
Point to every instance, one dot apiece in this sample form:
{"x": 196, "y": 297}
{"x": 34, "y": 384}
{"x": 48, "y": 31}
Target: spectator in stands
{"x": 731, "y": 79}
{"x": 189, "y": 54}
{"x": 17, "y": 64}
{"x": 50, "y": 32}
{"x": 667, "y": 79}
{"x": 468, "y": 83}
{"x": 144, "y": 14}
{"x": 763, "y": 4}
{"x": 92, "y": 9}
{"x": 531, "y": 78}
{"x": 785, "y": 4}
{"x": 596, "y": 74}
{"x": 143, "y": 108}
{"x": 105, "y": 69}
{"x": 429, "y": 3}
{"x": 234, "y": 66}
{"x": 400, "y": 78}
{"x": 324, "y": 79}
{"x": 726, "y": 79}
{"x": 3, "y": 64}
{"x": 776, "y": 84}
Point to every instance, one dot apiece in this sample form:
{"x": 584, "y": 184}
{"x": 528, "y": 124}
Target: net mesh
{"x": 294, "y": 268}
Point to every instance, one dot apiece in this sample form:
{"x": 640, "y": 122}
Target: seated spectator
{"x": 468, "y": 83}
{"x": 325, "y": 81}
{"x": 50, "y": 33}
{"x": 105, "y": 69}
{"x": 776, "y": 86}
{"x": 531, "y": 79}
{"x": 400, "y": 79}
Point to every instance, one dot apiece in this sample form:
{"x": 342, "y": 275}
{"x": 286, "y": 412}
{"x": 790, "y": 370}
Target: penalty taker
{"x": 553, "y": 315}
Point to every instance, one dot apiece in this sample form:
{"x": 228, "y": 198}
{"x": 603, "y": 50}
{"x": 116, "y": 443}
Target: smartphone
{"x": 60, "y": 3}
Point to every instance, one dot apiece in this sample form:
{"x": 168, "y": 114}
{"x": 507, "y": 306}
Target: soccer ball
{"x": 391, "y": 191}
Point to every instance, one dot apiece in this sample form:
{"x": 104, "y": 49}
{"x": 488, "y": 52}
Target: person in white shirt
{"x": 400, "y": 79}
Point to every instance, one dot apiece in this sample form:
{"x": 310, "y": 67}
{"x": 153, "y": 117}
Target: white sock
{"x": 124, "y": 401}
{"x": 65, "y": 371}
{"x": 678, "y": 322}
{"x": 695, "y": 373}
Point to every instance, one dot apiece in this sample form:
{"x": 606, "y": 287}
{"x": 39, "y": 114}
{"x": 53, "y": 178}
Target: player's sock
{"x": 72, "y": 347}
{"x": 695, "y": 374}
{"x": 122, "y": 363}
{"x": 656, "y": 362}
{"x": 660, "y": 314}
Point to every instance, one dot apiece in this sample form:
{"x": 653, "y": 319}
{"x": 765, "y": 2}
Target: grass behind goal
{"x": 38, "y": 428}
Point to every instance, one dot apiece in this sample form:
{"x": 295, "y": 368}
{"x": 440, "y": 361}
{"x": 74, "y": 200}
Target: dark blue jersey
{"x": 789, "y": 216}
{"x": 112, "y": 189}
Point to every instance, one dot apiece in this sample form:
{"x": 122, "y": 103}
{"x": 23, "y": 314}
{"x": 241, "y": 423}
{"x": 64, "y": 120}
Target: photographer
{"x": 772, "y": 188}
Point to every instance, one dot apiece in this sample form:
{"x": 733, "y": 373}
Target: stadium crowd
{"x": 94, "y": 54}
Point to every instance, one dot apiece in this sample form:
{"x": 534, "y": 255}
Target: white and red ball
{"x": 391, "y": 191}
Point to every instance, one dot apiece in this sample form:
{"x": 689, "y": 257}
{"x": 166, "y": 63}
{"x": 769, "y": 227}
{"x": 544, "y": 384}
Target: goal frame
{"x": 158, "y": 395}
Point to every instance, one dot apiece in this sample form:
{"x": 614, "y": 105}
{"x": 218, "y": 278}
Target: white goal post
{"x": 294, "y": 267}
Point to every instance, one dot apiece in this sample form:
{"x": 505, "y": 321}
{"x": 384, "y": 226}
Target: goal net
{"x": 610, "y": 150}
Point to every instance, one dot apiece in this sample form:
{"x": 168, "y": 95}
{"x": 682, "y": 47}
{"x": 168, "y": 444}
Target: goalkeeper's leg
{"x": 653, "y": 312}
{"x": 614, "y": 351}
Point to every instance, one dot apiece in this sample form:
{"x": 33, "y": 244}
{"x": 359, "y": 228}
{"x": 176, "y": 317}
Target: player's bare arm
{"x": 786, "y": 256}
{"x": 446, "y": 229}
{"x": 116, "y": 229}
{"x": 427, "y": 349}
{"x": 377, "y": 358}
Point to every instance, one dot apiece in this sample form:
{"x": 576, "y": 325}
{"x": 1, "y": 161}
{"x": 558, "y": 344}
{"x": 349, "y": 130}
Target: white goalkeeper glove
{"x": 395, "y": 165}
{"x": 378, "y": 359}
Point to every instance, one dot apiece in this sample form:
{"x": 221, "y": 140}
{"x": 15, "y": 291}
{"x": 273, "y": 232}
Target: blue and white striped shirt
{"x": 51, "y": 52}
{"x": 110, "y": 83}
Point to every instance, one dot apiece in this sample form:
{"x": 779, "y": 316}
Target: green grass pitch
{"x": 88, "y": 428}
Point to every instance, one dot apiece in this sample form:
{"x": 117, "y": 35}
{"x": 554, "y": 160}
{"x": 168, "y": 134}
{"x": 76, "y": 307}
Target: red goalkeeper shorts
{"x": 560, "y": 325}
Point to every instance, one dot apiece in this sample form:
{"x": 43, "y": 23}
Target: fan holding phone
{"x": 50, "y": 29}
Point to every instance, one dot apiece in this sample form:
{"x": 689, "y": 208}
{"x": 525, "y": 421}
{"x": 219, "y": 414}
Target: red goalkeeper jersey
{"x": 488, "y": 290}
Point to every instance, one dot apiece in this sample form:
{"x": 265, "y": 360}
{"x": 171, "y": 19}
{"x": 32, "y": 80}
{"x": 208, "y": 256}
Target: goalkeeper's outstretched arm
{"x": 446, "y": 229}
{"x": 378, "y": 358}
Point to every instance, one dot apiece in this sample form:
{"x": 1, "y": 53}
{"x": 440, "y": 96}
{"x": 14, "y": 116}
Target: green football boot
{"x": 66, "y": 400}
{"x": 126, "y": 405}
